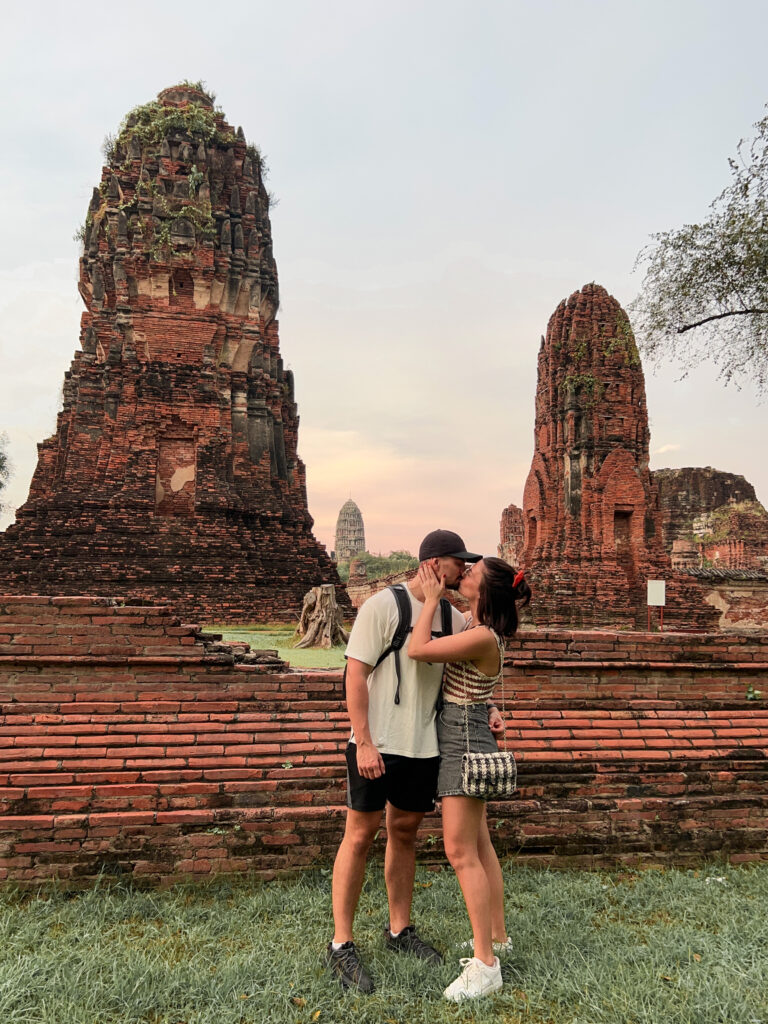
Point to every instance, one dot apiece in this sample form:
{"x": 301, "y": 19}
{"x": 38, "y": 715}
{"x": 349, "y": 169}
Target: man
{"x": 392, "y": 761}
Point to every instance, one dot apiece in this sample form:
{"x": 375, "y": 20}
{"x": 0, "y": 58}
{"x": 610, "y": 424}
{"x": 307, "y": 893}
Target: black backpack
{"x": 403, "y": 628}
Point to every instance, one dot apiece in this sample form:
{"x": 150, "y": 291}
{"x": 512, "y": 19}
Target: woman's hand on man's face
{"x": 432, "y": 585}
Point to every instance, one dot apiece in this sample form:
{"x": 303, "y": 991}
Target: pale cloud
{"x": 667, "y": 448}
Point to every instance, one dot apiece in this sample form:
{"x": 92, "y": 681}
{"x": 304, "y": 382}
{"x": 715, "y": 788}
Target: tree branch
{"x": 719, "y": 316}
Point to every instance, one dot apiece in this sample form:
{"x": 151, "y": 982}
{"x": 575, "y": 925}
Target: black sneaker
{"x": 409, "y": 942}
{"x": 345, "y": 964}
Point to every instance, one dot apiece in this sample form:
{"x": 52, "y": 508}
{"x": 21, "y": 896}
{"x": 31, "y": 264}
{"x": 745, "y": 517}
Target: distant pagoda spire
{"x": 350, "y": 532}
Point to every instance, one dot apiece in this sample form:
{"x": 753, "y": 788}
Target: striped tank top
{"x": 464, "y": 683}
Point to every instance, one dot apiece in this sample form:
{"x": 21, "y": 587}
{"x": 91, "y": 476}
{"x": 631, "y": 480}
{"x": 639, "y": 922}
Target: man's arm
{"x": 370, "y": 763}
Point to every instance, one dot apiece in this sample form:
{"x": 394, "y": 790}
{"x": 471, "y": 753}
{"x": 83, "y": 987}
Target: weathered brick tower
{"x": 173, "y": 472}
{"x": 350, "y": 532}
{"x": 591, "y": 512}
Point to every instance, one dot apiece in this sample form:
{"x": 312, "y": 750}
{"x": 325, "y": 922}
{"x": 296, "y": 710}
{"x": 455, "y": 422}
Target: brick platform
{"x": 132, "y": 745}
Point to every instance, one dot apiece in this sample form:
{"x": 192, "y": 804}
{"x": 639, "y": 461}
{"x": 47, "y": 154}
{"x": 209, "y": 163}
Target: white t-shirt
{"x": 407, "y": 728}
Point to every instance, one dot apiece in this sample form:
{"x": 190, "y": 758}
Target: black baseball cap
{"x": 445, "y": 544}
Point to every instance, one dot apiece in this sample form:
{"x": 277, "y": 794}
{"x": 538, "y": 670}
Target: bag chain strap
{"x": 503, "y": 703}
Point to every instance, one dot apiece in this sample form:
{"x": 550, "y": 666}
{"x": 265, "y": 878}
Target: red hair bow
{"x": 519, "y": 578}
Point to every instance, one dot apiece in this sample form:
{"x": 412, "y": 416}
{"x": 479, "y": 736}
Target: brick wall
{"x": 133, "y": 745}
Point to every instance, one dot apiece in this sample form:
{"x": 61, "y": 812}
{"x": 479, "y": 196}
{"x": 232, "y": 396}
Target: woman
{"x": 474, "y": 664}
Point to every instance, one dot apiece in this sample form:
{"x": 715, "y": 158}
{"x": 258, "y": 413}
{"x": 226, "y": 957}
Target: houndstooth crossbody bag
{"x": 488, "y": 775}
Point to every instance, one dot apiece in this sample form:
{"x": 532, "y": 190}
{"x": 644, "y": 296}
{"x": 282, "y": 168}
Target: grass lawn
{"x": 282, "y": 638}
{"x": 652, "y": 947}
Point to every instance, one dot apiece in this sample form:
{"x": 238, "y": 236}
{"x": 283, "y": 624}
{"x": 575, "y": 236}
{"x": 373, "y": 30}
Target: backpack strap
{"x": 402, "y": 630}
{"x": 404, "y": 627}
{"x": 447, "y": 617}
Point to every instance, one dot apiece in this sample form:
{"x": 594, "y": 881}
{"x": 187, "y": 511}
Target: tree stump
{"x": 320, "y": 624}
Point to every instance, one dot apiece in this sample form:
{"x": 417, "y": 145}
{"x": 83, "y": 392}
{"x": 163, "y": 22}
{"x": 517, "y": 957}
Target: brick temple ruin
{"x": 173, "y": 473}
{"x": 350, "y": 532}
{"x": 596, "y": 523}
{"x": 712, "y": 519}
{"x": 136, "y": 747}
{"x": 685, "y": 494}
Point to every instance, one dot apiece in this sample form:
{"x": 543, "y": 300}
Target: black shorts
{"x": 408, "y": 783}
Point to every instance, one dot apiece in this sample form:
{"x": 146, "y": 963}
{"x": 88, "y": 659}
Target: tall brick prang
{"x": 174, "y": 473}
{"x": 592, "y": 520}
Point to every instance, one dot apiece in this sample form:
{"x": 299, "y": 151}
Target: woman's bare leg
{"x": 462, "y": 818}
{"x": 490, "y": 863}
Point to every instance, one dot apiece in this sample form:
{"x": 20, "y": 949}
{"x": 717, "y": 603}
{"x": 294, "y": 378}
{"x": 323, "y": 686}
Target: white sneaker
{"x": 477, "y": 979}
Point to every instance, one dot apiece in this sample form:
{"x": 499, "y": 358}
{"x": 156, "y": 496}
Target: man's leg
{"x": 400, "y": 864}
{"x": 349, "y": 869}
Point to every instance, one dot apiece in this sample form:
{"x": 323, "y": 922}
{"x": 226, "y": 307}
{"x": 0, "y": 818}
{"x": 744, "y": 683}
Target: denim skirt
{"x": 452, "y": 740}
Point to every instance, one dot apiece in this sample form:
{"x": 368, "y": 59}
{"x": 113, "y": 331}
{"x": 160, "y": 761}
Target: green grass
{"x": 282, "y": 638}
{"x": 653, "y": 947}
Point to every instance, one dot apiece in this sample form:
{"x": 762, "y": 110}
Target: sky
{"x": 446, "y": 173}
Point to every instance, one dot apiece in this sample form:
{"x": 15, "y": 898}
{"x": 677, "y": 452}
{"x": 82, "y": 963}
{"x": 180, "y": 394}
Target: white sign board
{"x": 657, "y": 593}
